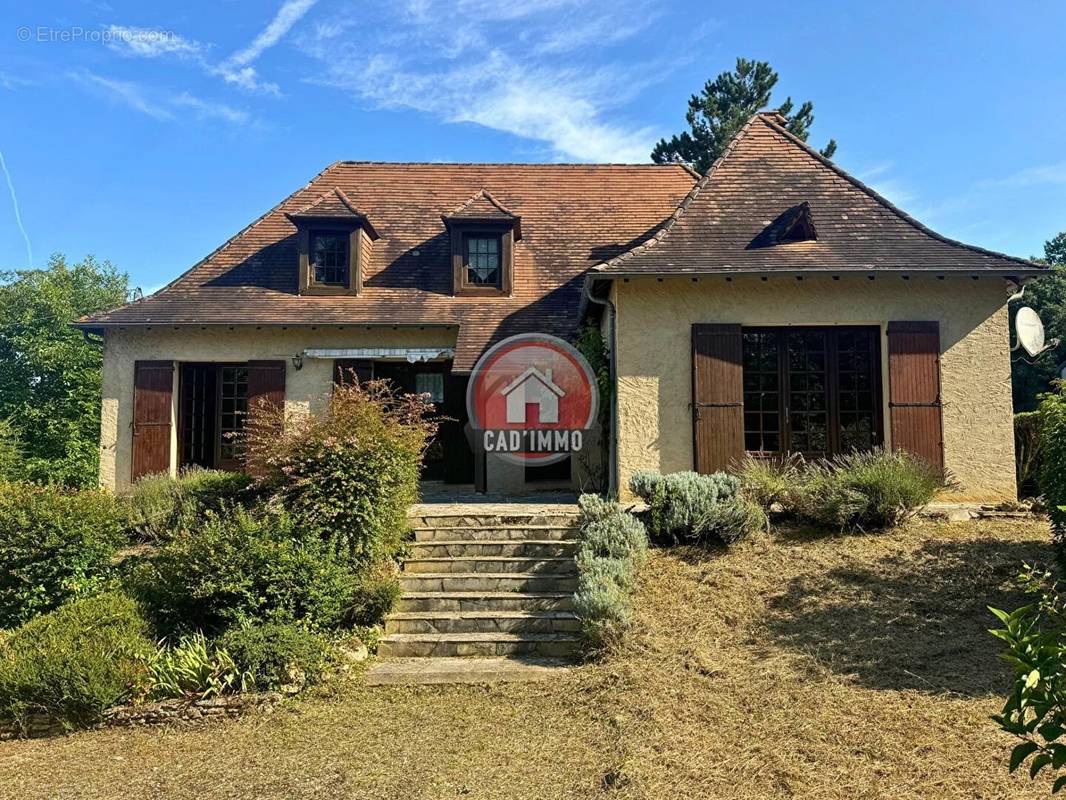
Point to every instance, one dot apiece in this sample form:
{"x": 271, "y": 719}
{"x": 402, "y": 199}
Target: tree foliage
{"x": 1047, "y": 296}
{"x": 49, "y": 376}
{"x": 723, "y": 107}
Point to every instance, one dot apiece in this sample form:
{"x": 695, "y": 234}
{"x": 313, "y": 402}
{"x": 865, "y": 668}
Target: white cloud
{"x": 1046, "y": 174}
{"x": 238, "y": 69}
{"x": 161, "y": 106}
{"x": 151, "y": 43}
{"x": 14, "y": 82}
{"x": 18, "y": 215}
{"x": 476, "y": 73}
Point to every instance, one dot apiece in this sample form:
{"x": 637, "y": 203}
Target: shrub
{"x": 274, "y": 655}
{"x": 770, "y": 481}
{"x": 1027, "y": 451}
{"x": 74, "y": 662}
{"x": 160, "y": 506}
{"x": 10, "y": 452}
{"x": 867, "y": 490}
{"x": 613, "y": 546}
{"x": 1052, "y": 413}
{"x": 192, "y": 668}
{"x": 375, "y": 592}
{"x": 350, "y": 472}
{"x": 55, "y": 544}
{"x": 687, "y": 505}
{"x": 1035, "y": 710}
{"x": 243, "y": 566}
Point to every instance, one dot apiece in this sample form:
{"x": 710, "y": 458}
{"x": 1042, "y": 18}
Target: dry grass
{"x": 798, "y": 666}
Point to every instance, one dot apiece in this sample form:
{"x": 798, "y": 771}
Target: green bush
{"x": 375, "y": 592}
{"x": 687, "y": 505}
{"x": 192, "y": 668}
{"x": 55, "y": 544}
{"x": 613, "y": 544}
{"x": 1035, "y": 710}
{"x": 866, "y": 491}
{"x": 1052, "y": 413}
{"x": 350, "y": 472}
{"x": 770, "y": 481}
{"x": 161, "y": 507}
{"x": 273, "y": 655}
{"x": 10, "y": 452}
{"x": 240, "y": 567}
{"x": 74, "y": 662}
{"x": 1027, "y": 451}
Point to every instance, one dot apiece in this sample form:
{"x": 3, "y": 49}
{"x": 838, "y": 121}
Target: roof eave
{"x": 1012, "y": 272}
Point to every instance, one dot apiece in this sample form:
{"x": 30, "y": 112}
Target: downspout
{"x": 612, "y": 423}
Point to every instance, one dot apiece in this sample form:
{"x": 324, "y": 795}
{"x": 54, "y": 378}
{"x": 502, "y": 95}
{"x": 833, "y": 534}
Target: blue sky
{"x": 147, "y": 133}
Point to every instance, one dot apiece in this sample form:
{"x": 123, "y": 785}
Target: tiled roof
{"x": 481, "y": 206}
{"x": 573, "y": 217}
{"x": 730, "y": 220}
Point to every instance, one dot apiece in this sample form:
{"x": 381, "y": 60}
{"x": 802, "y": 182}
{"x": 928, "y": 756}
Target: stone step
{"x": 528, "y": 548}
{"x": 476, "y": 533}
{"x": 490, "y": 565}
{"x": 482, "y": 622}
{"x": 422, "y": 671}
{"x": 504, "y": 520}
{"x": 424, "y": 645}
{"x": 485, "y": 601}
{"x": 487, "y": 582}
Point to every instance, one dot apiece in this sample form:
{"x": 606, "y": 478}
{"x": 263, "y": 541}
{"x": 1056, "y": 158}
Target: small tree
{"x": 1048, "y": 297}
{"x": 723, "y": 107}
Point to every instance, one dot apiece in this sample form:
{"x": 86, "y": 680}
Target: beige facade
{"x": 305, "y": 388}
{"x": 654, "y": 359}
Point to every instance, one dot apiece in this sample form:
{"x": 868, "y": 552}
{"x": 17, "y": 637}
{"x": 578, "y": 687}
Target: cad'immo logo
{"x": 531, "y": 398}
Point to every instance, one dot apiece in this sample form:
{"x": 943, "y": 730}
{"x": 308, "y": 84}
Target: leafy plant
{"x": 193, "y": 668}
{"x": 865, "y": 490}
{"x": 1035, "y": 710}
{"x": 73, "y": 663}
{"x": 613, "y": 544}
{"x": 770, "y": 481}
{"x": 55, "y": 544}
{"x": 687, "y": 505}
{"x": 241, "y": 567}
{"x": 10, "y": 452}
{"x": 1052, "y": 415}
{"x": 161, "y": 507}
{"x": 1027, "y": 450}
{"x": 374, "y": 593}
{"x": 349, "y": 472}
{"x": 273, "y": 655}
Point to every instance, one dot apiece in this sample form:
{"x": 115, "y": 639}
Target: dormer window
{"x": 328, "y": 256}
{"x": 334, "y": 239}
{"x": 481, "y": 259}
{"x": 483, "y": 234}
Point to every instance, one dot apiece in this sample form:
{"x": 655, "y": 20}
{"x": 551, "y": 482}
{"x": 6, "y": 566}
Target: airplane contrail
{"x": 18, "y": 216}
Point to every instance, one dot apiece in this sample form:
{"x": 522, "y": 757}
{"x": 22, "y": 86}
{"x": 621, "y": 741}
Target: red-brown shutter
{"x": 345, "y": 369}
{"x": 153, "y": 393}
{"x": 266, "y": 385}
{"x": 717, "y": 396}
{"x": 914, "y": 389}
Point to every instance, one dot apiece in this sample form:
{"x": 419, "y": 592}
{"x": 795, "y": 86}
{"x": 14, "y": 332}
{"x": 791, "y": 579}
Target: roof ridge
{"x": 858, "y": 184}
{"x": 487, "y": 195}
{"x": 544, "y": 164}
{"x": 685, "y": 203}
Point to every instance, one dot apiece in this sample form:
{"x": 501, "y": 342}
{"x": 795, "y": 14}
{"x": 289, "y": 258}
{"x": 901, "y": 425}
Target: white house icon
{"x": 532, "y": 387}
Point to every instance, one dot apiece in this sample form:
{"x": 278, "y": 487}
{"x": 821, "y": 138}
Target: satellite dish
{"x": 1030, "y": 331}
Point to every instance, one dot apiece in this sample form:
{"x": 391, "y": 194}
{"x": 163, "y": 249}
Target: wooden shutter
{"x": 914, "y": 389}
{"x": 266, "y": 385}
{"x": 345, "y": 368}
{"x": 153, "y": 395}
{"x": 717, "y": 396}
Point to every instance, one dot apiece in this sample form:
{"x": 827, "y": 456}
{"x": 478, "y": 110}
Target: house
{"x": 775, "y": 304}
{"x": 533, "y": 387}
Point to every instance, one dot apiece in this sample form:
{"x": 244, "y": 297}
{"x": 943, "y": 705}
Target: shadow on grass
{"x": 914, "y": 620}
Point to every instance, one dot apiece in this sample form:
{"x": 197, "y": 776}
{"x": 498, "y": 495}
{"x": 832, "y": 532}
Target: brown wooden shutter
{"x": 717, "y": 396}
{"x": 266, "y": 384}
{"x": 914, "y": 389}
{"x": 345, "y": 368}
{"x": 153, "y": 394}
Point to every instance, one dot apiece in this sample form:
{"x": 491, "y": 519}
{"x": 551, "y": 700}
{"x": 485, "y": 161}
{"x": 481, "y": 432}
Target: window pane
{"x": 329, "y": 258}
{"x": 762, "y": 398}
{"x": 483, "y": 260}
{"x": 431, "y": 383}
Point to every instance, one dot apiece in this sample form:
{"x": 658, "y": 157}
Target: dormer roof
{"x": 333, "y": 206}
{"x": 484, "y": 208}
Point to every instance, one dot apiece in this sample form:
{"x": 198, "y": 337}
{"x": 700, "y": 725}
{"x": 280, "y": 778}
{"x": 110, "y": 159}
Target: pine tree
{"x": 722, "y": 108}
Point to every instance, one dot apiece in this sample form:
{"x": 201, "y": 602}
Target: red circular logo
{"x": 531, "y": 398}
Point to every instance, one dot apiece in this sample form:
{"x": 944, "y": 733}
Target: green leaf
{"x": 1059, "y": 783}
{"x": 1020, "y": 753}
{"x": 1032, "y": 679}
{"x": 1038, "y": 764}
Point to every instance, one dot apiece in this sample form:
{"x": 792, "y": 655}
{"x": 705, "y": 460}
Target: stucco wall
{"x": 655, "y": 362}
{"x": 305, "y": 388}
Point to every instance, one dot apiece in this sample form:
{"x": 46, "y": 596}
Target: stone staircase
{"x": 487, "y": 584}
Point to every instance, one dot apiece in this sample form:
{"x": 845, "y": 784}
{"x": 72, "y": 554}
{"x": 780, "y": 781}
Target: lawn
{"x": 800, "y": 665}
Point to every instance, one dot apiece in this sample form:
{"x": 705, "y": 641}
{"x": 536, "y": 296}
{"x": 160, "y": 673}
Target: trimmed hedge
{"x": 74, "y": 662}
{"x": 55, "y": 544}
